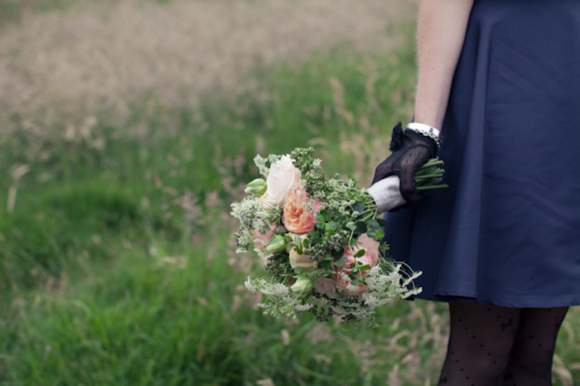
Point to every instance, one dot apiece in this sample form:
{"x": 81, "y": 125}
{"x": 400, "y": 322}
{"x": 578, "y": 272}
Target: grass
{"x": 118, "y": 264}
{"x": 116, "y": 257}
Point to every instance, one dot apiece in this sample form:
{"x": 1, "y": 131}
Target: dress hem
{"x": 529, "y": 301}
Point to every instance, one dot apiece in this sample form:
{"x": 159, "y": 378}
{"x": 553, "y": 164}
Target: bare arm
{"x": 441, "y": 32}
{"x": 442, "y": 26}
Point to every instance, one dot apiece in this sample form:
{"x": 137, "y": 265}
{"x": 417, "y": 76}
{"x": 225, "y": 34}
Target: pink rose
{"x": 300, "y": 212}
{"x": 326, "y": 286}
{"x": 371, "y": 258}
{"x": 261, "y": 240}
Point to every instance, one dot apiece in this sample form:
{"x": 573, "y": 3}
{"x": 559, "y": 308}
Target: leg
{"x": 530, "y": 362}
{"x": 480, "y": 342}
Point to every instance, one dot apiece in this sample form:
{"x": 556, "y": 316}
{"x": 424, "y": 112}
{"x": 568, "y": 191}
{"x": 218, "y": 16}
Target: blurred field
{"x": 129, "y": 127}
{"x": 85, "y": 57}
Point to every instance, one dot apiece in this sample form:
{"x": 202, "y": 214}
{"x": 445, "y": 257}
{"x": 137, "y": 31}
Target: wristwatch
{"x": 427, "y": 131}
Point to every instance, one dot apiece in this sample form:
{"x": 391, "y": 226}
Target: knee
{"x": 482, "y": 365}
{"x": 532, "y": 360}
{"x": 533, "y": 352}
{"x": 493, "y": 364}
{"x": 492, "y": 356}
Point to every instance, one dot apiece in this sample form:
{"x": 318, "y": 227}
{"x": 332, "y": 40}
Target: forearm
{"x": 440, "y": 36}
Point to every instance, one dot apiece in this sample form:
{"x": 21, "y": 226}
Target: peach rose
{"x": 371, "y": 258}
{"x": 300, "y": 212}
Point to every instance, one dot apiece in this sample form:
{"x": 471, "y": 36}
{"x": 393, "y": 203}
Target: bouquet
{"x": 319, "y": 239}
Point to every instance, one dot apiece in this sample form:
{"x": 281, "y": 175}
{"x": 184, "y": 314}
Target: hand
{"x": 409, "y": 150}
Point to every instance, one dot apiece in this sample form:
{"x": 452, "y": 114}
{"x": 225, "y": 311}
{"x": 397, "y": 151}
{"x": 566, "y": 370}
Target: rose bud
{"x": 277, "y": 244}
{"x": 301, "y": 261}
{"x": 303, "y": 284}
{"x": 257, "y": 187}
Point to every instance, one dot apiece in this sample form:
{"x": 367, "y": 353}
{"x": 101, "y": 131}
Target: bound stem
{"x": 432, "y": 187}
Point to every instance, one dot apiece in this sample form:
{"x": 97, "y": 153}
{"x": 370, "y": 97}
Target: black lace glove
{"x": 409, "y": 150}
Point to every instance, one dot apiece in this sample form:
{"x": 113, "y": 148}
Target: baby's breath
{"x": 264, "y": 164}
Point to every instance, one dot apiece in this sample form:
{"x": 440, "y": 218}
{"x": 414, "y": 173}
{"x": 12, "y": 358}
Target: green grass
{"x": 145, "y": 322}
{"x": 77, "y": 191}
{"x": 117, "y": 264}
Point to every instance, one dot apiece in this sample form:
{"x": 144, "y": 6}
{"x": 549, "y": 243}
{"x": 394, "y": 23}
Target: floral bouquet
{"x": 319, "y": 239}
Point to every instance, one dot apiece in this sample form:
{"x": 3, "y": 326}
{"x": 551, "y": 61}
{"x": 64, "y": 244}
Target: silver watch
{"x": 427, "y": 131}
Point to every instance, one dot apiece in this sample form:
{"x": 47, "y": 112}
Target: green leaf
{"x": 381, "y": 222}
{"x": 325, "y": 214}
{"x": 360, "y": 253}
{"x": 320, "y": 218}
{"x": 361, "y": 228}
{"x": 331, "y": 226}
{"x": 364, "y": 267}
{"x": 336, "y": 254}
{"x": 383, "y": 248}
{"x": 339, "y": 263}
{"x": 379, "y": 235}
{"x": 373, "y": 224}
{"x": 358, "y": 207}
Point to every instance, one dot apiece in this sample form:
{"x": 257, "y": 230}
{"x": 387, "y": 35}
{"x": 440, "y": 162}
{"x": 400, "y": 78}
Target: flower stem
{"x": 428, "y": 176}
{"x": 432, "y": 187}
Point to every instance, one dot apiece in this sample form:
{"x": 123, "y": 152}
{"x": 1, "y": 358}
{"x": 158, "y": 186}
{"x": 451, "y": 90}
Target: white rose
{"x": 282, "y": 178}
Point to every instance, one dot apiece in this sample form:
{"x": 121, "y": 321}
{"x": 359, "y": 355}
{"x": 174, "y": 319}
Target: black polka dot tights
{"x": 499, "y": 346}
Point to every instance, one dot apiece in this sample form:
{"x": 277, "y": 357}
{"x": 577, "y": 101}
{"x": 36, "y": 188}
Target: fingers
{"x": 416, "y": 156}
{"x": 408, "y": 186}
{"x": 412, "y": 198}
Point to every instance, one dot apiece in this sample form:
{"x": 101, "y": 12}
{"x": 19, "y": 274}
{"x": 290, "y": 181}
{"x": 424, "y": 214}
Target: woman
{"x": 500, "y": 80}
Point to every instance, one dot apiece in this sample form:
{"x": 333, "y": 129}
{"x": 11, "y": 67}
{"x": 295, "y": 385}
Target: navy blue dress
{"x": 507, "y": 231}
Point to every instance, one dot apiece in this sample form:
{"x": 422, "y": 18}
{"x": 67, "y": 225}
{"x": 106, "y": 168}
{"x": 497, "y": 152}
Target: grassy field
{"x": 116, "y": 258}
